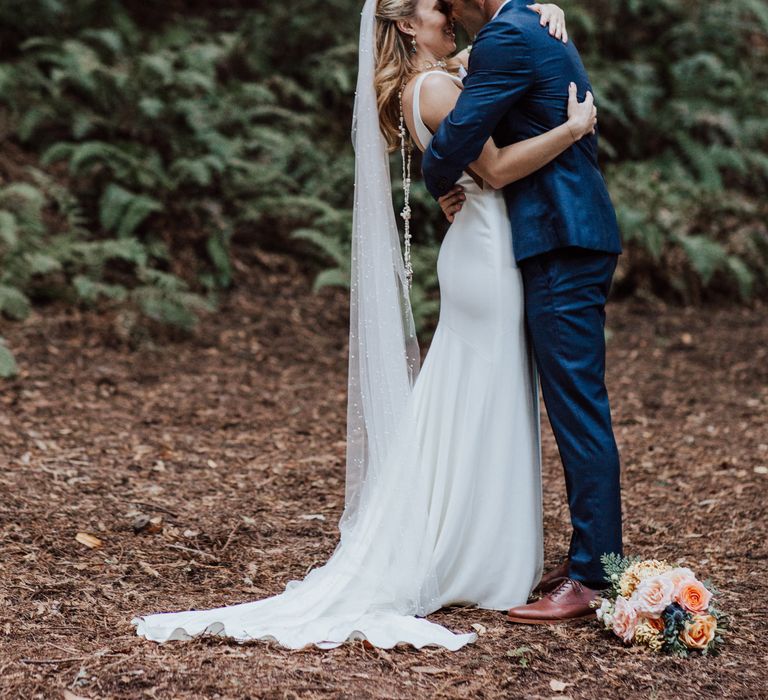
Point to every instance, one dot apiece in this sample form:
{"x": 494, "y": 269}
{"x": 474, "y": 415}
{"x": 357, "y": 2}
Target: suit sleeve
{"x": 500, "y": 72}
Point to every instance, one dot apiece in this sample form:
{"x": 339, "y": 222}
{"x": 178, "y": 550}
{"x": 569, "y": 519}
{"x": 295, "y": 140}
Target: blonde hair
{"x": 394, "y": 65}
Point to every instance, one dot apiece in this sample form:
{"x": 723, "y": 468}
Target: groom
{"x": 566, "y": 242}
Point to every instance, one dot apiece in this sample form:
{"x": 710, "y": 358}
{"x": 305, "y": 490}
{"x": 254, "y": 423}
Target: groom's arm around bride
{"x": 566, "y": 241}
{"x": 517, "y": 87}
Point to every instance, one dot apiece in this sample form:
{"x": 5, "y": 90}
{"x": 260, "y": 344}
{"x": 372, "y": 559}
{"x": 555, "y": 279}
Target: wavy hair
{"x": 394, "y": 64}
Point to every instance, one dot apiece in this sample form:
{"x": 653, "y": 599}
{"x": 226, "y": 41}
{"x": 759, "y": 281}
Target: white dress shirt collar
{"x": 499, "y": 10}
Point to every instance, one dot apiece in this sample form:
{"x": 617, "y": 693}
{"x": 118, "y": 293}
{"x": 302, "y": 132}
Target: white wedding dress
{"x": 456, "y": 516}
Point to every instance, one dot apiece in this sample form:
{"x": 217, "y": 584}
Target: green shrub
{"x": 684, "y": 140}
{"x": 165, "y": 132}
{"x": 684, "y": 128}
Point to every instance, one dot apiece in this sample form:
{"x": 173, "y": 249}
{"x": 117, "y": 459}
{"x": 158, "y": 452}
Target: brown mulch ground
{"x": 232, "y": 437}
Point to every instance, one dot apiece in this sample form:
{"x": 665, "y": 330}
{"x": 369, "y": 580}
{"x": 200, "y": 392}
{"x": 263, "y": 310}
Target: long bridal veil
{"x": 383, "y": 350}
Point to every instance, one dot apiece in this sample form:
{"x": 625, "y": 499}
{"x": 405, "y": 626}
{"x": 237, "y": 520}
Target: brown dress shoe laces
{"x": 563, "y": 587}
{"x": 569, "y": 600}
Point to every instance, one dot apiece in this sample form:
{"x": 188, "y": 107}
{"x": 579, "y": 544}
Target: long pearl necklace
{"x": 406, "y": 151}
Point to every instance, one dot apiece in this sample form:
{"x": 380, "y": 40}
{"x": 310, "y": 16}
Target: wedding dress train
{"x": 456, "y": 516}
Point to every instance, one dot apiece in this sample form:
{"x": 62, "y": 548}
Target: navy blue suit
{"x": 566, "y": 241}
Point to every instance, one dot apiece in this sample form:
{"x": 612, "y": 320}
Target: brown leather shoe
{"x": 568, "y": 601}
{"x": 551, "y": 579}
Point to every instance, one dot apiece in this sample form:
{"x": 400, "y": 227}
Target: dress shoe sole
{"x": 548, "y": 621}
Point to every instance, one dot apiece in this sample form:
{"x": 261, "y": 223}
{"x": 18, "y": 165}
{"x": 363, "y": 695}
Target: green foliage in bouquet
{"x": 614, "y": 566}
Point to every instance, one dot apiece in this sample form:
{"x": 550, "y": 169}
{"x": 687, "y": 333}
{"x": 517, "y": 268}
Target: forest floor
{"x": 231, "y": 439}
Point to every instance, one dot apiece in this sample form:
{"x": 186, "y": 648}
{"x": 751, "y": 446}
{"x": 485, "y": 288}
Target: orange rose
{"x": 699, "y": 631}
{"x": 656, "y": 622}
{"x": 693, "y": 596}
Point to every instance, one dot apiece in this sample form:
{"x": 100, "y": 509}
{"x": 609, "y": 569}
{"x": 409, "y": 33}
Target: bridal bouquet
{"x": 660, "y": 606}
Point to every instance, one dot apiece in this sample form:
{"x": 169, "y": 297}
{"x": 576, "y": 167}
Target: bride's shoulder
{"x": 431, "y": 86}
{"x": 438, "y": 93}
{"x": 437, "y": 90}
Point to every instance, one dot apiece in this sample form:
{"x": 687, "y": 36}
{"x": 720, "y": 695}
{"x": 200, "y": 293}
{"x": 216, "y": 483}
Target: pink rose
{"x": 693, "y": 596}
{"x": 624, "y": 619}
{"x": 680, "y": 574}
{"x": 652, "y": 595}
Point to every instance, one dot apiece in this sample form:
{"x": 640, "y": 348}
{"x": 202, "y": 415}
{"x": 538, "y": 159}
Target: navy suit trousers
{"x": 565, "y": 294}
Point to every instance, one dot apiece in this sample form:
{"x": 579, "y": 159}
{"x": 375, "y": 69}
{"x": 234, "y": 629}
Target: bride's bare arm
{"x": 501, "y": 166}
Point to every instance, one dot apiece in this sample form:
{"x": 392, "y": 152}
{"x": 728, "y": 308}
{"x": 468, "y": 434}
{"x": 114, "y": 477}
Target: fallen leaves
{"x": 71, "y": 696}
{"x": 147, "y": 569}
{"x": 45, "y": 499}
{"x": 89, "y": 541}
{"x": 144, "y": 524}
{"x": 430, "y": 670}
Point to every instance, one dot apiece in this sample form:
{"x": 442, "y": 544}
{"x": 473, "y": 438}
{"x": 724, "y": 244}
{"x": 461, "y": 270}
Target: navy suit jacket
{"x": 517, "y": 87}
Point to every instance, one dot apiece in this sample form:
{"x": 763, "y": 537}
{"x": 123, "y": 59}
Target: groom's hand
{"x": 553, "y": 16}
{"x": 452, "y": 202}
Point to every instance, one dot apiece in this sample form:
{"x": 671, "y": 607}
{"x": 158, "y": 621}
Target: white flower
{"x": 653, "y": 595}
{"x": 605, "y": 613}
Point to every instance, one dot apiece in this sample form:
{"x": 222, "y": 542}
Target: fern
{"x": 40, "y": 263}
{"x": 330, "y": 245}
{"x": 333, "y": 277}
{"x": 13, "y": 303}
{"x": 165, "y": 139}
{"x": 90, "y": 290}
{"x": 706, "y": 256}
{"x": 614, "y": 565}
{"x": 217, "y": 247}
{"x": 8, "y": 367}
{"x": 123, "y": 212}
{"x": 9, "y": 230}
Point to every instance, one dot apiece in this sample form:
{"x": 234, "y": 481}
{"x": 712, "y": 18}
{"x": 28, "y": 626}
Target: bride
{"x": 443, "y": 490}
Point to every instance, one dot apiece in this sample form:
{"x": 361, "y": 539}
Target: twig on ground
{"x": 191, "y": 550}
{"x": 229, "y": 539}
{"x": 154, "y": 506}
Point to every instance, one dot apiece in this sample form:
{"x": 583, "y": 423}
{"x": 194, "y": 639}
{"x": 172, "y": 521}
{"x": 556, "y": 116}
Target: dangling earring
{"x": 406, "y": 152}
{"x": 413, "y": 46}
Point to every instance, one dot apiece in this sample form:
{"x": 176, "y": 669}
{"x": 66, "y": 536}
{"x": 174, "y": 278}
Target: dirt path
{"x": 233, "y": 437}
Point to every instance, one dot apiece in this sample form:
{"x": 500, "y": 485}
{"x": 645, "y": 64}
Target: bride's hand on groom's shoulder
{"x": 552, "y": 16}
{"x": 582, "y": 116}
